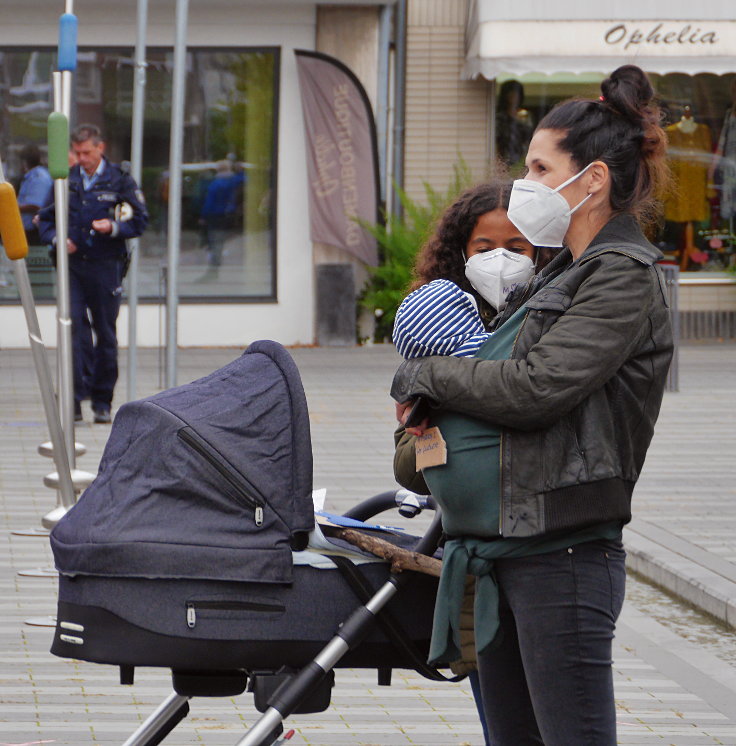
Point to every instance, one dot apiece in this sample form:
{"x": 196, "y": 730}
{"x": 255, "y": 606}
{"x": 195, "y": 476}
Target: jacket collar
{"x": 621, "y": 235}
{"x": 102, "y": 176}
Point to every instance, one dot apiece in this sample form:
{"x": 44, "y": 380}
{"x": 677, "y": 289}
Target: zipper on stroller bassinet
{"x": 236, "y": 480}
{"x": 192, "y": 607}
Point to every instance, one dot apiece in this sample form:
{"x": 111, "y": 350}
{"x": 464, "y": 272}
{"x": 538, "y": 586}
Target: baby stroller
{"x": 196, "y": 549}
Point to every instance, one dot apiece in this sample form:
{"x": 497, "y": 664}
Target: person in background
{"x": 218, "y": 213}
{"x": 513, "y": 124}
{"x": 106, "y": 207}
{"x": 36, "y": 190}
{"x": 573, "y": 387}
{"x": 475, "y": 223}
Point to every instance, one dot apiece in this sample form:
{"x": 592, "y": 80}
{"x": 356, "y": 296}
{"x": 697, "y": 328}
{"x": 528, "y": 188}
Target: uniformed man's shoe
{"x": 102, "y": 416}
{"x": 78, "y": 412}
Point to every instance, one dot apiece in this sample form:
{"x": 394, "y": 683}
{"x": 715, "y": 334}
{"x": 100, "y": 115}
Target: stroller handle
{"x": 409, "y": 504}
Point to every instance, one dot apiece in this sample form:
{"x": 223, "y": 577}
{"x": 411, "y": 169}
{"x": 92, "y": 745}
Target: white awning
{"x": 516, "y": 37}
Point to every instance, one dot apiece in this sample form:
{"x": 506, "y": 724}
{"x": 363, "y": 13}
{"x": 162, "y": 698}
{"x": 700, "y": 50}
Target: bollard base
{"x": 80, "y": 479}
{"x": 47, "y": 449}
{"x": 53, "y": 517}
{"x": 41, "y": 621}
{"x": 39, "y": 572}
{"x": 42, "y": 532}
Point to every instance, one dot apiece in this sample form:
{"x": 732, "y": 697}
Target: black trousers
{"x": 550, "y": 680}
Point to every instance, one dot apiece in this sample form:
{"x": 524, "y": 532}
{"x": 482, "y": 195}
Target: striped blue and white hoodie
{"x": 438, "y": 319}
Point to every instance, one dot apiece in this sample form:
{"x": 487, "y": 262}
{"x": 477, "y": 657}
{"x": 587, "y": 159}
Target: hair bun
{"x": 629, "y": 92}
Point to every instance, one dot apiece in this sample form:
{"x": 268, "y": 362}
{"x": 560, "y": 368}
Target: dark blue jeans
{"x": 550, "y": 680}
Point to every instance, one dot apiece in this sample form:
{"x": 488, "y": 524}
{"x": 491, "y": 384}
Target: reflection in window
{"x": 514, "y": 125}
{"x": 228, "y": 222}
{"x": 700, "y": 119}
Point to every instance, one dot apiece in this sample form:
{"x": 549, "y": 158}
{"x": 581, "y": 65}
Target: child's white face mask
{"x": 494, "y": 274}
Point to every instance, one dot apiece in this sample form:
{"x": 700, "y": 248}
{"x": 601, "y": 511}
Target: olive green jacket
{"x": 578, "y": 399}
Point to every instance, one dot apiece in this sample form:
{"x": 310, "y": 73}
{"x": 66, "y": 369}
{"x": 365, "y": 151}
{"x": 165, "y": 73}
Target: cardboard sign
{"x": 431, "y": 449}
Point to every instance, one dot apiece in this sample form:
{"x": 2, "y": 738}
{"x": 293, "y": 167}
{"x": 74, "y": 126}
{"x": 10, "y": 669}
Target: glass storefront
{"x": 228, "y": 240}
{"x": 698, "y": 223}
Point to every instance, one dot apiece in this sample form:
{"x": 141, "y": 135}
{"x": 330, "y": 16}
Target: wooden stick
{"x": 401, "y": 559}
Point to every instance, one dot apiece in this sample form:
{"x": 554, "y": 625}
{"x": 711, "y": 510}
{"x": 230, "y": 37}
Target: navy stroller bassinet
{"x": 179, "y": 554}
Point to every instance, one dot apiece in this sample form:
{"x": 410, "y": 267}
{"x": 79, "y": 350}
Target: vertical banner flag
{"x": 342, "y": 158}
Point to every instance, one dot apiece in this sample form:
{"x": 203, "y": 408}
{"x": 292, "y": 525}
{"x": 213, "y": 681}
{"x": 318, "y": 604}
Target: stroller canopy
{"x": 210, "y": 480}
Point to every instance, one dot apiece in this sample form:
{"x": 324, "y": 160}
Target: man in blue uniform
{"x": 106, "y": 207}
{"x": 36, "y": 189}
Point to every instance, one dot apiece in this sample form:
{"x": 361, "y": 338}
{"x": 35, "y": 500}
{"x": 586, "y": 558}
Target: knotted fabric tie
{"x": 462, "y": 557}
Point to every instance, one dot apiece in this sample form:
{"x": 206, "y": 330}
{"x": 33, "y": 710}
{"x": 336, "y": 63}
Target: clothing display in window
{"x": 689, "y": 153}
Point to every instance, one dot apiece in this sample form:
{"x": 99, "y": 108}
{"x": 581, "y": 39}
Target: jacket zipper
{"x": 232, "y": 477}
{"x": 192, "y": 607}
{"x": 501, "y": 439}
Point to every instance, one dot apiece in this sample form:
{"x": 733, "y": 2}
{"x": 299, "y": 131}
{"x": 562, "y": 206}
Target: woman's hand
{"x": 402, "y": 412}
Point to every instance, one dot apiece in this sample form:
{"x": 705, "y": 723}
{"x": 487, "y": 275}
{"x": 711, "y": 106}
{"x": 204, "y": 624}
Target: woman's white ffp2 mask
{"x": 540, "y": 212}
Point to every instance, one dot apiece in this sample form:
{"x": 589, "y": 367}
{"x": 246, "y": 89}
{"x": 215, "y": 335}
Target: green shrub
{"x": 399, "y": 239}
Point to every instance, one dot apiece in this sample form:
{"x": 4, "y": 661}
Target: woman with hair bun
{"x": 574, "y": 393}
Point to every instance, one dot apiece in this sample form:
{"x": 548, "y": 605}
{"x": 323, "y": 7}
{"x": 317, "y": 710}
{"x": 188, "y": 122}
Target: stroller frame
{"x": 285, "y": 700}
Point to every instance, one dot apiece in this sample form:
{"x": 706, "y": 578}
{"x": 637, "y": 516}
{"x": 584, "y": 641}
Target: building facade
{"x": 449, "y": 81}
{"x": 247, "y": 265}
{"x": 482, "y": 73}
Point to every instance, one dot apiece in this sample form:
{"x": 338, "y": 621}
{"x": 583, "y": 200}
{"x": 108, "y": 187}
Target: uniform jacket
{"x": 113, "y": 187}
{"x": 579, "y": 396}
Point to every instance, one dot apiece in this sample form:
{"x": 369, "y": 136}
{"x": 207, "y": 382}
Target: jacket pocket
{"x": 543, "y": 310}
{"x": 550, "y": 299}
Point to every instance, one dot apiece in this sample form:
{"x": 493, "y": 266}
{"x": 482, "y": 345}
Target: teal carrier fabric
{"x": 467, "y": 486}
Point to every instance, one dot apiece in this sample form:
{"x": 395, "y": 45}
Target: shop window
{"x": 228, "y": 235}
{"x": 697, "y": 231}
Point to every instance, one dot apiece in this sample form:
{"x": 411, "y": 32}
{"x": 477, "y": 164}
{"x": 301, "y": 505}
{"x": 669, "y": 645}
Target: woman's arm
{"x": 583, "y": 349}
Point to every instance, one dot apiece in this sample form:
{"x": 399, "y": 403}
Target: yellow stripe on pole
{"x": 11, "y": 224}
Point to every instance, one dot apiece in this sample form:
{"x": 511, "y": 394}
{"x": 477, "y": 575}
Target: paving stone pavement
{"x": 668, "y": 690}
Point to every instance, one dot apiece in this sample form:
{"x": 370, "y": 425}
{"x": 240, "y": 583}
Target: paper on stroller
{"x": 344, "y": 522}
{"x": 318, "y": 498}
{"x": 320, "y": 548}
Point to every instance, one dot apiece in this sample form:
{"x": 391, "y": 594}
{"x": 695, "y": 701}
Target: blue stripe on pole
{"x": 67, "y": 56}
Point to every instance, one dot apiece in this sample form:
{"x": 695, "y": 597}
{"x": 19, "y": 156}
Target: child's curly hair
{"x": 443, "y": 256}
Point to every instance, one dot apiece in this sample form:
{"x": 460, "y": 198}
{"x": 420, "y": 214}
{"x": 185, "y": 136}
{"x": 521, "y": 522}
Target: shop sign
{"x": 607, "y": 38}
{"x": 660, "y": 34}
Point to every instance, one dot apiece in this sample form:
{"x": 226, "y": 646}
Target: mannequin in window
{"x": 513, "y": 123}
{"x": 722, "y": 172}
{"x": 689, "y": 154}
